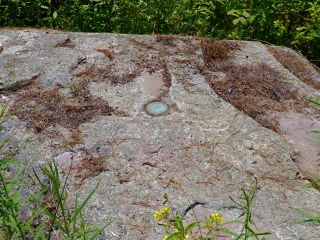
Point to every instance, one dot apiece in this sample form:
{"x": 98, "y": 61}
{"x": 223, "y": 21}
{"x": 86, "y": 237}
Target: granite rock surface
{"x": 236, "y": 118}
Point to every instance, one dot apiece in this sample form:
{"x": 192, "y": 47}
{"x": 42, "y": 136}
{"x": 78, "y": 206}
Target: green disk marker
{"x": 157, "y": 108}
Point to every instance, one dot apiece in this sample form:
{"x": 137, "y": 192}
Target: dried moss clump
{"x": 42, "y": 108}
{"x": 299, "y": 67}
{"x": 254, "y": 89}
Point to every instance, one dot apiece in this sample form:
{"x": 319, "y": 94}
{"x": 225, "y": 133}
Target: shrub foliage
{"x": 293, "y": 23}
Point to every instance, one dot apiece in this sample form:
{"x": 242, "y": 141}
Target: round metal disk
{"x": 157, "y": 108}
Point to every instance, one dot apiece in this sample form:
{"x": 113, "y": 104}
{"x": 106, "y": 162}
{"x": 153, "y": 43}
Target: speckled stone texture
{"x": 82, "y": 97}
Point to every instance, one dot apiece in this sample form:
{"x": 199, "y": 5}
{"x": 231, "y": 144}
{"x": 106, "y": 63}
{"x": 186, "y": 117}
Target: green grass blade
{"x": 263, "y": 233}
{"x": 39, "y": 234}
{"x": 50, "y": 215}
{"x": 315, "y": 179}
{"x": 315, "y": 131}
{"x": 15, "y": 178}
{"x": 101, "y": 229}
{"x": 236, "y": 203}
{"x": 309, "y": 217}
{"x": 77, "y": 211}
{"x": 38, "y": 179}
{"x": 35, "y": 215}
{"x": 314, "y": 141}
{"x": 33, "y": 196}
{"x": 314, "y": 102}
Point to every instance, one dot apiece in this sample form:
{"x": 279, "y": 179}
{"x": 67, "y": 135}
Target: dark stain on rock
{"x": 19, "y": 84}
{"x": 67, "y": 43}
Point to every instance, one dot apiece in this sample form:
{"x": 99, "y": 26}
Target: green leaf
{"x": 245, "y": 13}
{"x": 251, "y": 18}
{"x": 179, "y": 225}
{"x": 243, "y": 20}
{"x": 39, "y": 234}
{"x": 50, "y": 215}
{"x": 235, "y": 22}
{"x": 78, "y": 210}
{"x": 16, "y": 195}
{"x": 230, "y": 12}
{"x": 315, "y": 131}
{"x": 55, "y": 14}
{"x": 14, "y": 180}
{"x": 242, "y": 206}
{"x": 192, "y": 225}
{"x": 175, "y": 236}
{"x": 314, "y": 141}
{"x": 263, "y": 233}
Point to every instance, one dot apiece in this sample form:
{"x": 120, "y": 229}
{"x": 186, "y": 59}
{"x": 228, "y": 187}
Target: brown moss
{"x": 108, "y": 53}
{"x": 253, "y": 89}
{"x": 90, "y": 167}
{"x": 109, "y": 77}
{"x": 215, "y": 51}
{"x": 165, "y": 39}
{"x": 140, "y": 44}
{"x": 42, "y": 108}
{"x": 300, "y": 68}
{"x": 84, "y": 71}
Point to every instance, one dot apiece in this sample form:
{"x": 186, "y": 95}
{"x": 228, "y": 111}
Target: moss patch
{"x": 42, "y": 108}
{"x": 254, "y": 89}
{"x": 293, "y": 62}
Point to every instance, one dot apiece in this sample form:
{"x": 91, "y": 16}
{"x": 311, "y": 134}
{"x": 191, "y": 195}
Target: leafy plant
{"x": 13, "y": 225}
{"x": 246, "y": 231}
{"x": 293, "y": 23}
{"x": 176, "y": 230}
{"x": 69, "y": 221}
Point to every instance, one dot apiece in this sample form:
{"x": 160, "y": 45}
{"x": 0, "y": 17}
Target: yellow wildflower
{"x": 215, "y": 217}
{"x": 165, "y": 237}
{"x": 186, "y": 237}
{"x": 157, "y": 215}
{"x": 163, "y": 213}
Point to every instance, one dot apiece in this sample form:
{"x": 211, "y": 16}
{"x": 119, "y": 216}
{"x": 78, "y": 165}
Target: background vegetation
{"x": 292, "y": 23}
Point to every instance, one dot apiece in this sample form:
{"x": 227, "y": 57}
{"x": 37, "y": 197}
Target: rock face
{"x": 237, "y": 118}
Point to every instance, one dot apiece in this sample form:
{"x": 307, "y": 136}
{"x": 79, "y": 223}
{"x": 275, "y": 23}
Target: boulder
{"x": 191, "y": 118}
